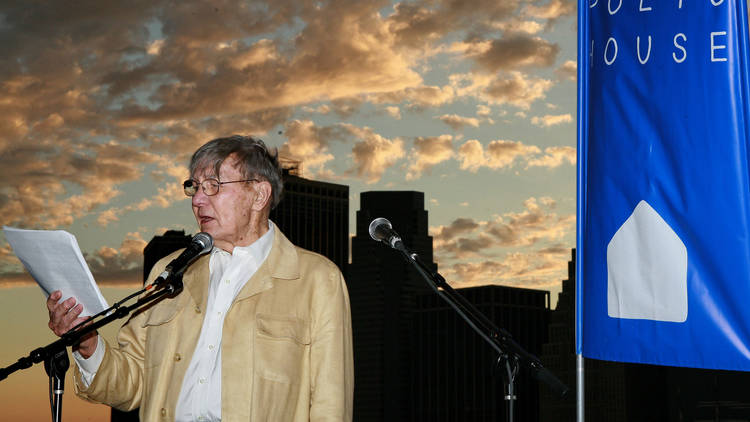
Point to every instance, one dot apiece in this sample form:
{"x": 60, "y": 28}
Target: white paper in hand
{"x": 54, "y": 260}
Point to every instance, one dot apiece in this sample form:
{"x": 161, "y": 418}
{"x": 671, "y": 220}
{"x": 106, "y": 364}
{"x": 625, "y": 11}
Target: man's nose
{"x": 200, "y": 197}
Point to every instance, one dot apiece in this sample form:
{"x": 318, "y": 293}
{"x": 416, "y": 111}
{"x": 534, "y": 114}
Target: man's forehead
{"x": 230, "y": 165}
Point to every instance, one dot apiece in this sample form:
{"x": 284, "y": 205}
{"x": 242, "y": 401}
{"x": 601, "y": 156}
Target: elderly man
{"x": 262, "y": 330}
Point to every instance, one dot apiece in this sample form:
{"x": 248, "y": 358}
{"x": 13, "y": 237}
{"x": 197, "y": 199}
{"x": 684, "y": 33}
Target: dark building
{"x": 616, "y": 391}
{"x": 415, "y": 359}
{"x": 456, "y": 377}
{"x": 314, "y": 215}
{"x": 161, "y": 246}
{"x": 383, "y": 290}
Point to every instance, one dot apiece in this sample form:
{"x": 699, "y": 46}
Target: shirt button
{"x": 226, "y": 281}
{"x": 210, "y": 347}
{"x": 219, "y": 313}
{"x": 177, "y": 357}
{"x": 202, "y": 381}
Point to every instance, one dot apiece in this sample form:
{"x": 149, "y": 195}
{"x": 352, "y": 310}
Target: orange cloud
{"x": 427, "y": 152}
{"x": 457, "y": 122}
{"x": 551, "y": 11}
{"x": 498, "y": 154}
{"x": 309, "y": 143}
{"x": 554, "y": 157}
{"x": 372, "y": 153}
{"x": 537, "y": 224}
{"x": 518, "y": 51}
{"x": 552, "y": 120}
{"x": 530, "y": 270}
{"x": 568, "y": 70}
{"x": 90, "y": 101}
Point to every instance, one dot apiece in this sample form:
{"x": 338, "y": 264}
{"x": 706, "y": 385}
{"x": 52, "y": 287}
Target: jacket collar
{"x": 282, "y": 264}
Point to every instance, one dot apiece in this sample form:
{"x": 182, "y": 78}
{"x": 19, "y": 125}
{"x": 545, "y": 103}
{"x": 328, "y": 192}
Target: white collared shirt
{"x": 200, "y": 396}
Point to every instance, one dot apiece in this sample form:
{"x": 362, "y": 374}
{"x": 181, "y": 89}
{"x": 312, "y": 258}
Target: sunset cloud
{"x": 552, "y": 10}
{"x": 427, "y": 152}
{"x": 554, "y": 157}
{"x": 517, "y": 89}
{"x": 455, "y": 228}
{"x": 514, "y": 88}
{"x": 308, "y": 143}
{"x": 483, "y": 110}
{"x": 525, "y": 248}
{"x": 165, "y": 197}
{"x": 420, "y": 21}
{"x": 518, "y": 51}
{"x": 515, "y": 26}
{"x": 497, "y": 155}
{"x": 419, "y": 97}
{"x": 37, "y": 177}
{"x": 518, "y": 269}
{"x": 372, "y": 153}
{"x": 93, "y": 101}
{"x": 457, "y": 122}
{"x": 121, "y": 266}
{"x": 568, "y": 70}
{"x": 537, "y": 223}
{"x": 394, "y": 112}
{"x": 551, "y": 120}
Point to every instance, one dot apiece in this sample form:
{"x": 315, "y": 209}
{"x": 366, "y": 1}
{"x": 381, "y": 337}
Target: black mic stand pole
{"x": 510, "y": 353}
{"x": 55, "y": 354}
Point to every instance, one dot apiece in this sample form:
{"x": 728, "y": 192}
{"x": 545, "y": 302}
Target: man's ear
{"x": 262, "y": 195}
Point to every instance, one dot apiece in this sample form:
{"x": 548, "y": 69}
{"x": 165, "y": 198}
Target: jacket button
{"x": 163, "y": 412}
{"x": 177, "y": 357}
{"x": 197, "y": 310}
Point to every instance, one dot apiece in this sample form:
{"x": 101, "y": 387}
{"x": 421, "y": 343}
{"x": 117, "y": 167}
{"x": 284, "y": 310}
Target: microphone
{"x": 381, "y": 230}
{"x": 199, "y": 245}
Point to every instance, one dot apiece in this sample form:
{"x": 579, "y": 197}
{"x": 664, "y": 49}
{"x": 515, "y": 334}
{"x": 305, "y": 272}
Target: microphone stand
{"x": 510, "y": 354}
{"x": 55, "y": 354}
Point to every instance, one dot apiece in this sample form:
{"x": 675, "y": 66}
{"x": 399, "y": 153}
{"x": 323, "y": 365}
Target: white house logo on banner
{"x": 647, "y": 269}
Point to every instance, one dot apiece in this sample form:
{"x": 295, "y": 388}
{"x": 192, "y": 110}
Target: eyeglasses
{"x": 210, "y": 186}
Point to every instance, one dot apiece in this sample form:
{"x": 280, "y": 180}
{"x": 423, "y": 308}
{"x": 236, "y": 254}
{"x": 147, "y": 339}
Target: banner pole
{"x": 581, "y": 162}
{"x": 579, "y": 389}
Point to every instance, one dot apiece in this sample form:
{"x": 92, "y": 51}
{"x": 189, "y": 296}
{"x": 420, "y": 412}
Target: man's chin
{"x": 207, "y": 227}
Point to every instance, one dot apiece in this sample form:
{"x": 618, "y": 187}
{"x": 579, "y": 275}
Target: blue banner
{"x": 663, "y": 183}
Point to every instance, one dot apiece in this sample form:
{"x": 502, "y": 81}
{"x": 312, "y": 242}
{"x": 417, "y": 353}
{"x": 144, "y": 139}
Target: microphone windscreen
{"x": 205, "y": 241}
{"x": 375, "y": 230}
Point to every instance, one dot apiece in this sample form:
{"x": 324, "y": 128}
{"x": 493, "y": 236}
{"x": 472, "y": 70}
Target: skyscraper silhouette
{"x": 415, "y": 359}
{"x": 315, "y": 215}
{"x": 455, "y": 372}
{"x": 382, "y": 290}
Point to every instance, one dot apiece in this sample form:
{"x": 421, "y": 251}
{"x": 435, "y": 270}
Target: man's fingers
{"x": 71, "y": 315}
{"x": 62, "y": 315}
{"x": 52, "y": 299}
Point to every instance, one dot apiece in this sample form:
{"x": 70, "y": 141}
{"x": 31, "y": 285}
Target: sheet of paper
{"x": 54, "y": 260}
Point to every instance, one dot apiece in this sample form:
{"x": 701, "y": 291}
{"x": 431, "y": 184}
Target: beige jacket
{"x": 286, "y": 347}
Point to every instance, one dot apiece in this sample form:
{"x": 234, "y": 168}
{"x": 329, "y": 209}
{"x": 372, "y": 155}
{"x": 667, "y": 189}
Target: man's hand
{"x": 65, "y": 315}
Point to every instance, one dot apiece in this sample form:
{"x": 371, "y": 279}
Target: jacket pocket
{"x": 282, "y": 345}
{"x": 160, "y": 332}
{"x": 162, "y": 312}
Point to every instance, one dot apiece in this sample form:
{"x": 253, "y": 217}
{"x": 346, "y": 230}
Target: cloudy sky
{"x": 470, "y": 102}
